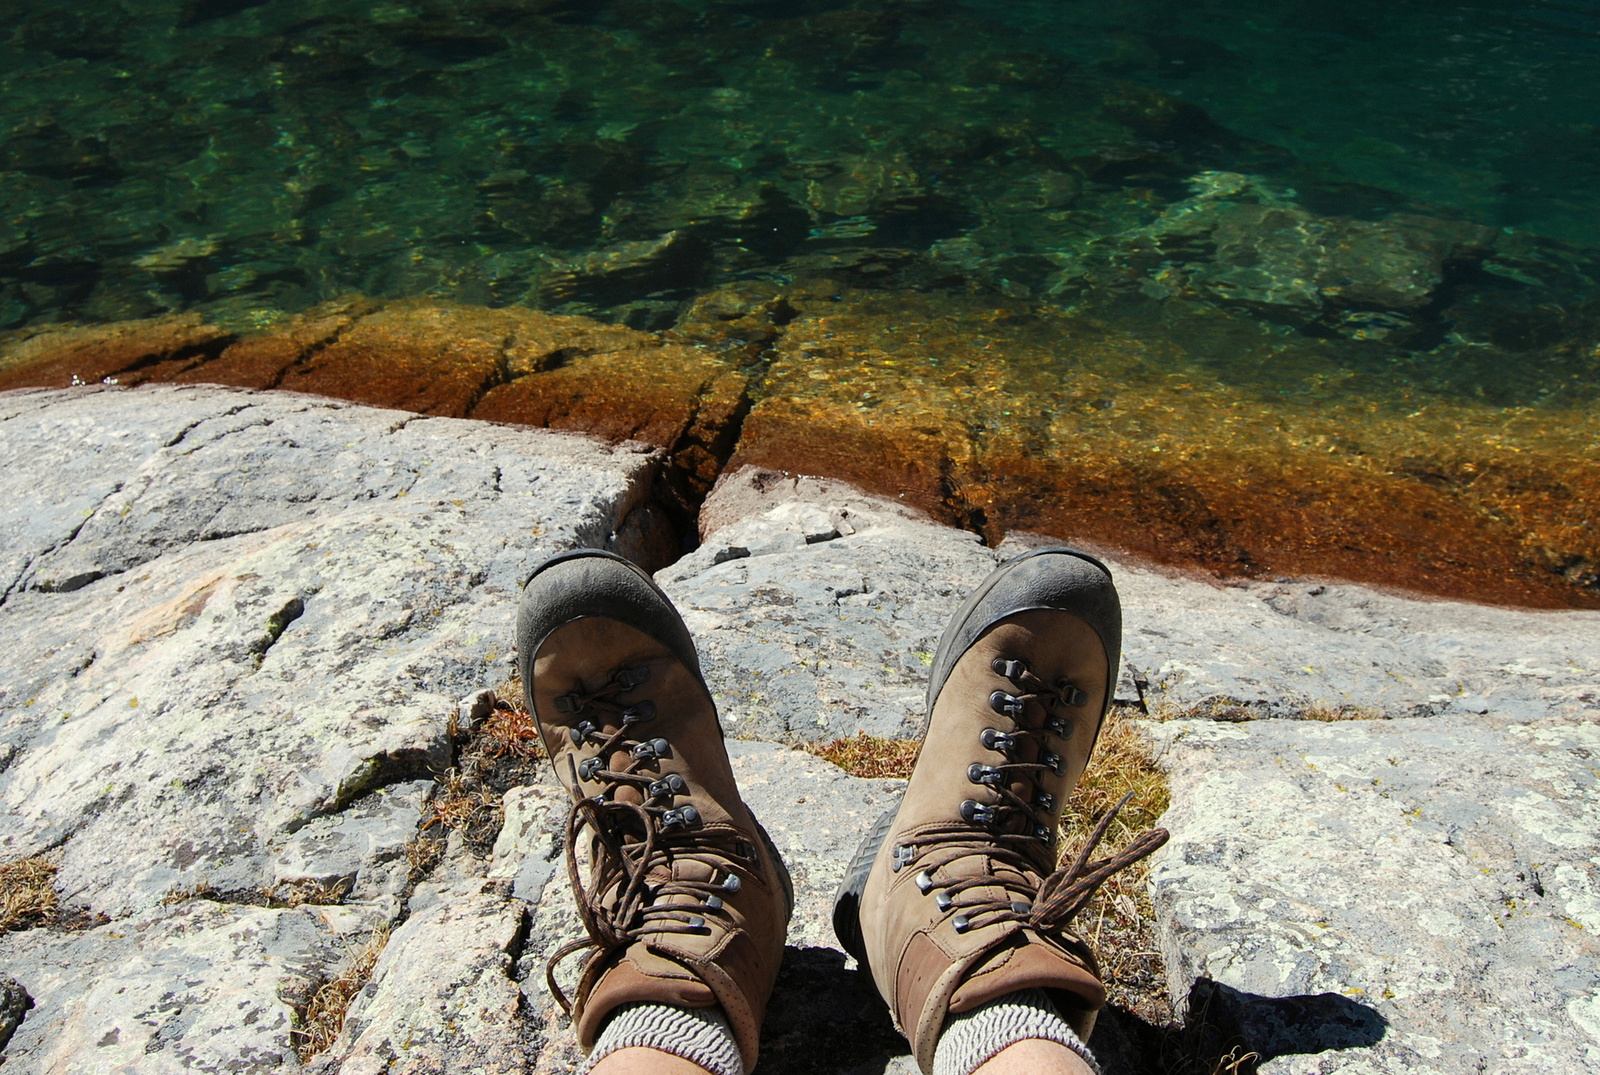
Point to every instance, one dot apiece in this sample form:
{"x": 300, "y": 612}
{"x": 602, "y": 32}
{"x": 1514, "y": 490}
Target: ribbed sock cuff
{"x": 699, "y": 1035}
{"x": 972, "y": 1039}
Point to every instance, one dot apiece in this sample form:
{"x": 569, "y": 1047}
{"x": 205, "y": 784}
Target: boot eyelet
{"x": 904, "y": 855}
{"x": 1059, "y": 727}
{"x": 976, "y": 813}
{"x": 589, "y": 767}
{"x": 943, "y": 900}
{"x": 696, "y": 922}
{"x": 925, "y": 882}
{"x": 1006, "y": 705}
{"x": 682, "y": 817}
{"x": 1056, "y": 762}
{"x": 714, "y": 902}
{"x": 581, "y": 731}
{"x": 979, "y": 773}
{"x": 638, "y": 714}
{"x": 629, "y": 678}
{"x": 567, "y": 703}
{"x": 1012, "y": 670}
{"x": 1048, "y": 835}
{"x": 961, "y": 923}
{"x": 1070, "y": 694}
{"x": 652, "y": 749}
{"x": 1045, "y": 801}
{"x": 747, "y": 851}
{"x": 995, "y": 739}
{"x": 1019, "y": 907}
{"x": 669, "y": 785}
{"x": 730, "y": 883}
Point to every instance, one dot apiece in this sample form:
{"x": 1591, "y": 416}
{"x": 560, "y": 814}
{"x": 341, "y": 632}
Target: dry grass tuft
{"x": 315, "y": 893}
{"x": 323, "y": 1017}
{"x": 869, "y": 756}
{"x": 27, "y": 894}
{"x": 510, "y": 729}
{"x": 1236, "y": 1062}
{"x": 422, "y": 855}
{"x": 1344, "y": 712}
{"x": 499, "y": 753}
{"x": 1227, "y": 711}
{"x": 1120, "y": 922}
{"x": 200, "y": 891}
{"x": 465, "y": 804}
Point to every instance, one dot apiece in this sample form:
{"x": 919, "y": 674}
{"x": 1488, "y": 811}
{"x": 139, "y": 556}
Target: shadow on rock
{"x": 1272, "y": 1027}
{"x": 824, "y": 1018}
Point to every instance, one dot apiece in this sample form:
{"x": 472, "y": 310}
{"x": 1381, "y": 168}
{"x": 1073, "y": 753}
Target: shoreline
{"x": 1493, "y": 506}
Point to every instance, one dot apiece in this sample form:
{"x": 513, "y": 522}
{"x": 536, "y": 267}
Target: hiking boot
{"x": 955, "y": 898}
{"x": 685, "y": 901}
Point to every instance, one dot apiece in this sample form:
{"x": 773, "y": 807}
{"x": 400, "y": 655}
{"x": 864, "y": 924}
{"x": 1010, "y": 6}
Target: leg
{"x": 637, "y": 1060}
{"x": 1034, "y": 1056}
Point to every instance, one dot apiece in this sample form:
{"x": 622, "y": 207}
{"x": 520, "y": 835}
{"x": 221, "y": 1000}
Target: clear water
{"x": 1395, "y": 198}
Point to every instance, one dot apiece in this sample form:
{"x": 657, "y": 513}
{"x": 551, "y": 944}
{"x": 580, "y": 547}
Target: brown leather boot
{"x": 686, "y": 901}
{"x": 955, "y": 898}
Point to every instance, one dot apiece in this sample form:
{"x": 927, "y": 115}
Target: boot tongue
{"x": 643, "y": 976}
{"x": 1027, "y": 961}
{"x": 625, "y": 793}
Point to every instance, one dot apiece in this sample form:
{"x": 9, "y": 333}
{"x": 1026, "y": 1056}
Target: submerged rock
{"x": 1237, "y": 241}
{"x": 671, "y": 264}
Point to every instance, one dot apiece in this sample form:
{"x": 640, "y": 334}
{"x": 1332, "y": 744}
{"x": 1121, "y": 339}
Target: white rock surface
{"x": 442, "y": 997}
{"x": 813, "y": 637}
{"x": 1428, "y": 889}
{"x": 197, "y": 987}
{"x": 291, "y": 596}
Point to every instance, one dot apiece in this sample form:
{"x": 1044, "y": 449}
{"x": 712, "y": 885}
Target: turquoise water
{"x": 1410, "y": 186}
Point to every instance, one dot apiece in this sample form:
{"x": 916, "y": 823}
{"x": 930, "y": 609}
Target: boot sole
{"x": 1085, "y": 593}
{"x": 847, "y": 901}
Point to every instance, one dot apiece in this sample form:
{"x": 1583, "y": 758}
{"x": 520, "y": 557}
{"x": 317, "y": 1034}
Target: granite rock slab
{"x": 817, "y": 608}
{"x": 442, "y": 997}
{"x": 237, "y": 627}
{"x": 1417, "y": 895}
{"x": 200, "y": 987}
{"x": 268, "y": 614}
{"x": 817, "y": 614}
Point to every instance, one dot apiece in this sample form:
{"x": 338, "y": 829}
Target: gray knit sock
{"x": 971, "y": 1039}
{"x": 699, "y": 1035}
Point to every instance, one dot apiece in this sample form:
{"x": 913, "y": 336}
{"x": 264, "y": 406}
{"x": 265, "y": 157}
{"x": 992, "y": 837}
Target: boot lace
{"x": 1010, "y": 833}
{"x": 631, "y": 841}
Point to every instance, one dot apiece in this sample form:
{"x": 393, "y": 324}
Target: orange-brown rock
{"x": 262, "y": 360}
{"x": 156, "y": 349}
{"x": 648, "y": 393}
{"x": 999, "y": 420}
